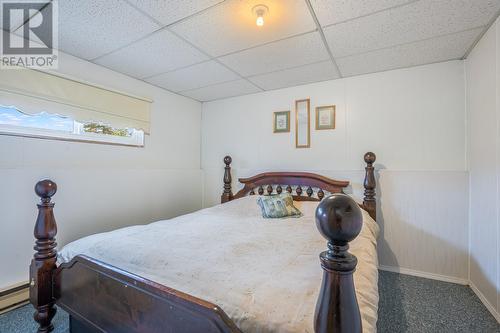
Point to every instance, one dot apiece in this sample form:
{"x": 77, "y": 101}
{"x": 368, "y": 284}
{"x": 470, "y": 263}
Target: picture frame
{"x": 302, "y": 123}
{"x": 281, "y": 122}
{"x": 325, "y": 117}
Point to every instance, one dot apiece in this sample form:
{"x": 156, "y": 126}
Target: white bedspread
{"x": 264, "y": 273}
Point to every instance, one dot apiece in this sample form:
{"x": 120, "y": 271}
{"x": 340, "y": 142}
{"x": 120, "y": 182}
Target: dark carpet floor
{"x": 413, "y": 304}
{"x": 407, "y": 304}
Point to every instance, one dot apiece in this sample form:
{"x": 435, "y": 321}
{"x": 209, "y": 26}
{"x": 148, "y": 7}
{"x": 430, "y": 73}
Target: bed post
{"x": 369, "y": 202}
{"x": 339, "y": 220}
{"x": 43, "y": 263}
{"x": 227, "y": 194}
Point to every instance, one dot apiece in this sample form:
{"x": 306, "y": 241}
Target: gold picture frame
{"x": 278, "y": 122}
{"x": 303, "y": 123}
{"x": 325, "y": 117}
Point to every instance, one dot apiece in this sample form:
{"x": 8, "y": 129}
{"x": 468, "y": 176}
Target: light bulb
{"x": 260, "y": 21}
{"x": 260, "y": 11}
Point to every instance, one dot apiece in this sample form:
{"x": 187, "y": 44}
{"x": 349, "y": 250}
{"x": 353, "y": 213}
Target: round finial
{"x": 339, "y": 218}
{"x": 45, "y": 188}
{"x": 370, "y": 157}
{"x": 227, "y": 160}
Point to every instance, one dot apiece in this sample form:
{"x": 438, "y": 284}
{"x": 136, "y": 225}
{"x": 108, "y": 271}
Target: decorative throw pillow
{"x": 278, "y": 206}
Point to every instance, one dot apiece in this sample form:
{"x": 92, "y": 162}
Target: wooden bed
{"x": 103, "y": 298}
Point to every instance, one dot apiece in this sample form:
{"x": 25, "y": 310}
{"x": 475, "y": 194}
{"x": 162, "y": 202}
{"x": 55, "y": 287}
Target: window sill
{"x": 86, "y": 138}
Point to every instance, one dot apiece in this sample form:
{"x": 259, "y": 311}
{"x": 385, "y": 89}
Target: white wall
{"x": 483, "y": 112}
{"x": 413, "y": 119}
{"x": 101, "y": 187}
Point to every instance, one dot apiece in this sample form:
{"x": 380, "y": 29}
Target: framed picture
{"x": 325, "y": 117}
{"x": 281, "y": 122}
{"x": 302, "y": 124}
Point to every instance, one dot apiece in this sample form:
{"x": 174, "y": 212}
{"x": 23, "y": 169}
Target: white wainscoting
{"x": 483, "y": 115}
{"x": 424, "y": 221}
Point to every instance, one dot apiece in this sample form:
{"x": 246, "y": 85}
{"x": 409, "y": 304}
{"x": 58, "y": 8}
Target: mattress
{"x": 264, "y": 273}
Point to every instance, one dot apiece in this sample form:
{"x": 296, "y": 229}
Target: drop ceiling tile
{"x": 91, "y": 28}
{"x": 335, "y": 11}
{"x": 160, "y": 52}
{"x": 437, "y": 49}
{"x": 231, "y": 27}
{"x": 321, "y": 71}
{"x": 169, "y": 11}
{"x": 223, "y": 90}
{"x": 193, "y": 77}
{"x": 417, "y": 21}
{"x": 291, "y": 52}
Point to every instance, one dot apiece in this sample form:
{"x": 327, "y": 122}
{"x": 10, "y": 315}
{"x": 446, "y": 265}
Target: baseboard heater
{"x": 14, "y": 296}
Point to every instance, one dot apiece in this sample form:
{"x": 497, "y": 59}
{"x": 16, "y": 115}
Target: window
{"x": 47, "y": 125}
{"x": 47, "y": 105}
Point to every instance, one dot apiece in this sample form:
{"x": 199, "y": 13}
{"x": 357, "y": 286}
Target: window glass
{"x": 47, "y": 125}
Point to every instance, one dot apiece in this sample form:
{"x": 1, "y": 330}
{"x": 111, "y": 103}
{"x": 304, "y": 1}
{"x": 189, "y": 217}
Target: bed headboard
{"x": 304, "y": 186}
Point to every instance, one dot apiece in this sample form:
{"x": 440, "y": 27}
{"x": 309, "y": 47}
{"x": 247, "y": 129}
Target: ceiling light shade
{"x": 260, "y": 11}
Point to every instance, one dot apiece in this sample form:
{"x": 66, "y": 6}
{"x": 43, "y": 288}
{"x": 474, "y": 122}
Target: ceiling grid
{"x": 211, "y": 49}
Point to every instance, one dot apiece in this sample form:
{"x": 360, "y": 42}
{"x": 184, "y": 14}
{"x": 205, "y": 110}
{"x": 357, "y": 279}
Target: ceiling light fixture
{"x": 260, "y": 11}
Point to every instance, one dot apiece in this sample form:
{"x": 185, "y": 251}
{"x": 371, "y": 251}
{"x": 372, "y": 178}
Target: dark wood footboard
{"x": 103, "y": 298}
